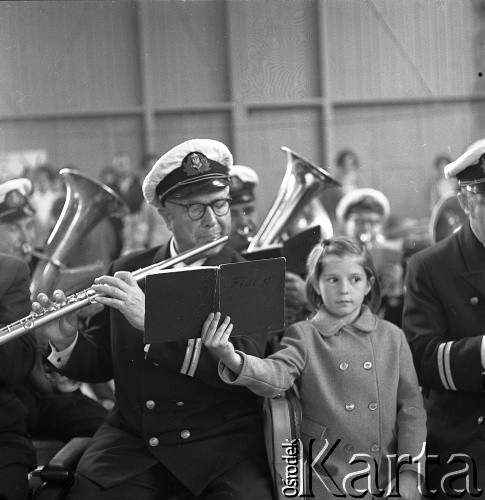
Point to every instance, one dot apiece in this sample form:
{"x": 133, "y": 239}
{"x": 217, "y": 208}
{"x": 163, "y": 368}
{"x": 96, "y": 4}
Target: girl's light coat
{"x": 357, "y": 383}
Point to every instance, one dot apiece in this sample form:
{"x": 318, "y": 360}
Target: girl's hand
{"x": 216, "y": 339}
{"x": 408, "y": 485}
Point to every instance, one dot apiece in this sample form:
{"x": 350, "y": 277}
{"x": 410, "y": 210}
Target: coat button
{"x": 375, "y": 448}
{"x": 153, "y": 441}
{"x": 180, "y": 403}
{"x": 367, "y": 365}
{"x": 185, "y": 434}
{"x": 474, "y": 301}
{"x": 373, "y": 406}
{"x": 480, "y": 420}
{"x": 343, "y": 366}
{"x": 349, "y": 406}
{"x": 348, "y": 448}
{"x": 150, "y": 404}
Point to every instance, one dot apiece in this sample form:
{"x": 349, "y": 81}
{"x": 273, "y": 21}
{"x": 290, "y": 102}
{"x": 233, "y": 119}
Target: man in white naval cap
{"x": 362, "y": 214}
{"x": 17, "y": 218}
{"x": 176, "y": 428}
{"x": 244, "y": 219}
{"x": 444, "y": 318}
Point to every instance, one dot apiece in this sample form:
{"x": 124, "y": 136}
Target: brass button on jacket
{"x": 150, "y": 404}
{"x": 185, "y": 434}
{"x": 153, "y": 441}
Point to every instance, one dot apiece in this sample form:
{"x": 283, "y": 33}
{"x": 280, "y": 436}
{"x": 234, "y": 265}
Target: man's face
{"x": 364, "y": 226}
{"x": 244, "y": 223}
{"x": 190, "y": 233}
{"x": 474, "y": 206}
{"x": 15, "y": 234}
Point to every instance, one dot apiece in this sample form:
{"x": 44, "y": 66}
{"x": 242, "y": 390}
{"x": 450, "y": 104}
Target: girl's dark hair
{"x": 341, "y": 246}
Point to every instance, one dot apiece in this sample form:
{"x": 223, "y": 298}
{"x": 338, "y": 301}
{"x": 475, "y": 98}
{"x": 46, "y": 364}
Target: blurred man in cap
{"x": 444, "y": 318}
{"x": 17, "y": 222}
{"x": 176, "y": 428}
{"x": 244, "y": 220}
{"x": 362, "y": 214}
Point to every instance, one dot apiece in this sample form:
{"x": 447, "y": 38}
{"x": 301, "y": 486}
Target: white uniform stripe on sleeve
{"x": 441, "y": 368}
{"x": 447, "y": 362}
{"x": 195, "y": 357}
{"x": 188, "y": 356}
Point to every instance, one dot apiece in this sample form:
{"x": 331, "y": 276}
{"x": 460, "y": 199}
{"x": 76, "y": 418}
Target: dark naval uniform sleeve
{"x": 17, "y": 356}
{"x": 444, "y": 320}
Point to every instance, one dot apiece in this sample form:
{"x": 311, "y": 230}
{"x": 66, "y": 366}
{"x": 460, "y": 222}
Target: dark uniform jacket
{"x": 196, "y": 426}
{"x": 444, "y": 320}
{"x": 17, "y": 358}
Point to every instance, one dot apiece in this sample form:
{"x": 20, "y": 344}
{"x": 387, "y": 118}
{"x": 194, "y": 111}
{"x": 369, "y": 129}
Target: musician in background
{"x": 244, "y": 216}
{"x": 347, "y": 166}
{"x": 56, "y": 408}
{"x": 362, "y": 214}
{"x": 17, "y": 357}
{"x": 176, "y": 428}
{"x": 444, "y": 318}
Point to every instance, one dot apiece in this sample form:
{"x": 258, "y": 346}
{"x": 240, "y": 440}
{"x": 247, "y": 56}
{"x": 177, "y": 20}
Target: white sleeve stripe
{"x": 441, "y": 349}
{"x": 195, "y": 357}
{"x": 188, "y": 356}
{"x": 447, "y": 356}
{"x": 444, "y": 367}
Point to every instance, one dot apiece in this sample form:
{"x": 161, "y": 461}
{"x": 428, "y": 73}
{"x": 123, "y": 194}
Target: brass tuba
{"x": 447, "y": 217}
{"x": 296, "y": 206}
{"x": 88, "y": 201}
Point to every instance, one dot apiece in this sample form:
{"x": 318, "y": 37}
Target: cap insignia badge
{"x": 196, "y": 164}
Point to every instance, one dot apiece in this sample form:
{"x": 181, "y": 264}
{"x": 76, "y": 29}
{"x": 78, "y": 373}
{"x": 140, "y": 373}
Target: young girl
{"x": 354, "y": 372}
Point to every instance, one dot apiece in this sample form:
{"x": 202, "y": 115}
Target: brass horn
{"x": 88, "y": 201}
{"x": 446, "y": 218}
{"x": 302, "y": 182}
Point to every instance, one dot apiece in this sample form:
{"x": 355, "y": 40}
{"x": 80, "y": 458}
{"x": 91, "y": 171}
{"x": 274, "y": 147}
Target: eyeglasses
{"x": 197, "y": 210}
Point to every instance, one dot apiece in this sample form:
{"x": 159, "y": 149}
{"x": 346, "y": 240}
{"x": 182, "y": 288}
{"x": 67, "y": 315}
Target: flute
{"x": 85, "y": 297}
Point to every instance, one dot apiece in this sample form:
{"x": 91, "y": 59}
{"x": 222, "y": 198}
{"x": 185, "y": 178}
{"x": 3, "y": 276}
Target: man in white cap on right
{"x": 444, "y": 320}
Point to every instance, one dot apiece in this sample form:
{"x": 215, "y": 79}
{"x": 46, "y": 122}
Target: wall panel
{"x": 173, "y": 128}
{"x": 71, "y": 56}
{"x": 86, "y": 143}
{"x": 276, "y": 50}
{"x": 187, "y": 47}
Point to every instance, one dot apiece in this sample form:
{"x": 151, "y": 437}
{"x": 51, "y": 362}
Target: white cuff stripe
{"x": 195, "y": 357}
{"x": 447, "y": 356}
{"x": 188, "y": 356}
{"x": 444, "y": 367}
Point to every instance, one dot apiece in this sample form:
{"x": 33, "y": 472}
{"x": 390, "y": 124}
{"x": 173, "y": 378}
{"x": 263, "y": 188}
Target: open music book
{"x": 178, "y": 301}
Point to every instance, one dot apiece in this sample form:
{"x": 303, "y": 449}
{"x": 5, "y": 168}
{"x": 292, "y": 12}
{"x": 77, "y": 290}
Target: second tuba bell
{"x": 302, "y": 182}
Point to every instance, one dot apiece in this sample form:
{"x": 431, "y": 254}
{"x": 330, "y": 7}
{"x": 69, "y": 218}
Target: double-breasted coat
{"x": 444, "y": 320}
{"x": 195, "y": 425}
{"x": 17, "y": 358}
{"x": 357, "y": 384}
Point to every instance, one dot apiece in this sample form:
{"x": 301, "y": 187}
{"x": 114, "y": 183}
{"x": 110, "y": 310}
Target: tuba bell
{"x": 88, "y": 201}
{"x": 447, "y": 218}
{"x": 296, "y": 207}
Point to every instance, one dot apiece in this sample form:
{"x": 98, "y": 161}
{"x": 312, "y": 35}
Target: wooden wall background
{"x": 397, "y": 81}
